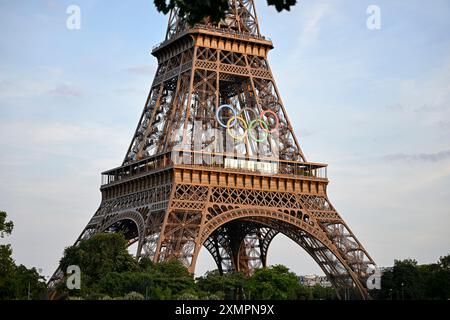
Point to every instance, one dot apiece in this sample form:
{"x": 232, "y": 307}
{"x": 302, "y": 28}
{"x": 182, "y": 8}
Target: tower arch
{"x": 302, "y": 232}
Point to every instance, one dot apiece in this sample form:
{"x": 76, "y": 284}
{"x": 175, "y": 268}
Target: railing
{"x": 227, "y": 162}
{"x": 136, "y": 169}
{"x": 226, "y": 32}
{"x": 268, "y": 166}
{"x": 229, "y": 32}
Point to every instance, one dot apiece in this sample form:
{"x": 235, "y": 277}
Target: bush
{"x": 133, "y": 296}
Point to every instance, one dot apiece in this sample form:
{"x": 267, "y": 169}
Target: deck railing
{"x": 269, "y": 166}
{"x": 227, "y": 162}
{"x": 200, "y": 27}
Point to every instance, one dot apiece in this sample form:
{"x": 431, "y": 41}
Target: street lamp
{"x": 403, "y": 293}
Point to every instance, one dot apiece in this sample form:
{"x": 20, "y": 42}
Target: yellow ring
{"x": 235, "y": 137}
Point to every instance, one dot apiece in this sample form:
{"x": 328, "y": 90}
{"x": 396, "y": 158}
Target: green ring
{"x": 251, "y": 126}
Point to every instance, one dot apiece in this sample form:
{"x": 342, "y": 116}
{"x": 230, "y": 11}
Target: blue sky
{"x": 374, "y": 104}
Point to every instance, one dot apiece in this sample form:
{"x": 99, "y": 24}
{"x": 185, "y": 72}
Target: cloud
{"x": 74, "y": 140}
{"x": 424, "y": 157}
{"x": 444, "y": 124}
{"x": 128, "y": 91}
{"x": 429, "y": 93}
{"x": 143, "y": 70}
{"x": 395, "y": 107}
{"x": 36, "y": 81}
{"x": 306, "y": 132}
{"x": 311, "y": 29}
{"x": 66, "y": 90}
{"x": 52, "y": 4}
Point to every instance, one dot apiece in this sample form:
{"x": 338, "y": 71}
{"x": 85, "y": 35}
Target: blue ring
{"x": 220, "y": 109}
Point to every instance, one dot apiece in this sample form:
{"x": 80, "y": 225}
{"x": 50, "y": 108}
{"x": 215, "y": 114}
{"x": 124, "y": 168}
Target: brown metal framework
{"x": 173, "y": 208}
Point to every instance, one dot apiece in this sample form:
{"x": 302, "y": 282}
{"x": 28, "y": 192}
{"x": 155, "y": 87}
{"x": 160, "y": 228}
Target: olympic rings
{"x": 277, "y": 120}
{"x": 263, "y": 124}
{"x": 242, "y": 136}
{"x": 249, "y": 128}
{"x": 218, "y": 114}
{"x": 248, "y": 111}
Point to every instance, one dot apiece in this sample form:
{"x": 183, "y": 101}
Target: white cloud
{"x": 80, "y": 140}
{"x": 311, "y": 28}
{"x": 425, "y": 157}
{"x": 38, "y": 81}
{"x": 66, "y": 90}
{"x": 144, "y": 70}
{"x": 429, "y": 93}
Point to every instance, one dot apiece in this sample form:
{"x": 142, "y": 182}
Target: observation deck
{"x": 215, "y": 162}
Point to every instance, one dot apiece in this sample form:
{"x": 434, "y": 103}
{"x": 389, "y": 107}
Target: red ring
{"x": 276, "y": 118}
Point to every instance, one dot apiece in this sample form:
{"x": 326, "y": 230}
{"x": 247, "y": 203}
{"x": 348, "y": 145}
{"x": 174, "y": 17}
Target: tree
{"x": 108, "y": 270}
{"x": 436, "y": 279}
{"x": 196, "y": 10}
{"x": 102, "y": 253}
{"x": 305, "y": 293}
{"x": 322, "y": 293}
{"x": 408, "y": 280}
{"x": 28, "y": 284}
{"x": 275, "y": 283}
{"x": 6, "y": 227}
{"x": 228, "y": 286}
{"x": 7, "y": 268}
{"x": 17, "y": 282}
{"x": 444, "y": 263}
{"x": 403, "y": 281}
{"x": 133, "y": 296}
{"x": 165, "y": 280}
{"x": 97, "y": 256}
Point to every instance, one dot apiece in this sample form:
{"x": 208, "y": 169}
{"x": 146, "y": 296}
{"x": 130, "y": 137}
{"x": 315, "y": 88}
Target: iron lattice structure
{"x": 173, "y": 208}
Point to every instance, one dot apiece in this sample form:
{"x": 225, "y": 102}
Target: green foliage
{"x": 6, "y": 227}
{"x": 444, "y": 263}
{"x": 196, "y": 10}
{"x": 107, "y": 269}
{"x": 305, "y": 293}
{"x": 110, "y": 272}
{"x": 133, "y": 296}
{"x": 319, "y": 292}
{"x": 281, "y": 5}
{"x": 7, "y": 269}
{"x": 187, "y": 296}
{"x": 409, "y": 281}
{"x": 6, "y": 261}
{"x": 275, "y": 282}
{"x": 28, "y": 284}
{"x": 17, "y": 282}
{"x": 228, "y": 286}
{"x": 98, "y": 256}
{"x": 161, "y": 282}
{"x": 102, "y": 253}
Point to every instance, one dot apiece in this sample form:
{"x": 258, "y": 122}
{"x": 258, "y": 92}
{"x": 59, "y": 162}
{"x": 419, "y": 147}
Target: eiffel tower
{"x": 214, "y": 163}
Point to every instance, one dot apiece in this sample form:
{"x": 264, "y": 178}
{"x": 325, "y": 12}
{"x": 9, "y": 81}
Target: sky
{"x": 373, "y": 104}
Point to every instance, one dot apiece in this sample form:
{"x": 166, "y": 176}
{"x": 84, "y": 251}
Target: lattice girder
{"x": 199, "y": 215}
{"x": 200, "y": 70}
